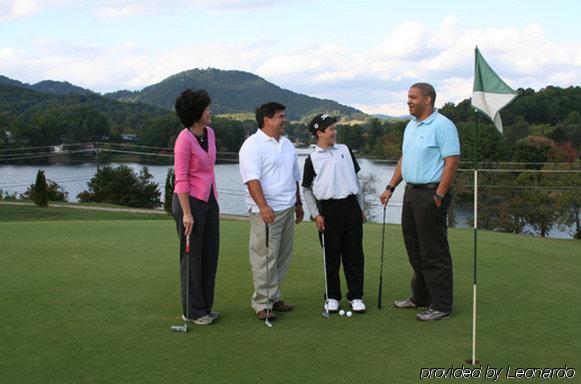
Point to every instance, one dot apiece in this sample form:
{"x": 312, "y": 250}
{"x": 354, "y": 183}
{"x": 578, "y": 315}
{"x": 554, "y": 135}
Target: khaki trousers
{"x": 280, "y": 243}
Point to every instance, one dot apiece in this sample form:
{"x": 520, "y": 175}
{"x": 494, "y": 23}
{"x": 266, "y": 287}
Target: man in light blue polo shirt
{"x": 430, "y": 157}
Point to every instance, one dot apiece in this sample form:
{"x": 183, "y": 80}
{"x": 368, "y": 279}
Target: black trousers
{"x": 425, "y": 233}
{"x": 203, "y": 262}
{"x": 343, "y": 242}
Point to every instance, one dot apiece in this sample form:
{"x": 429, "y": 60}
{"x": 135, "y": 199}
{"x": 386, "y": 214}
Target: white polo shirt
{"x": 275, "y": 165}
{"x": 333, "y": 173}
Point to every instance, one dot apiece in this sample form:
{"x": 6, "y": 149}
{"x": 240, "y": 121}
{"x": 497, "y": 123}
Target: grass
{"x": 10, "y": 212}
{"x": 91, "y": 301}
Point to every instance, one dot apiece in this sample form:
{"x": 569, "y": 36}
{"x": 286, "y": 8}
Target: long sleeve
{"x": 311, "y": 202}
{"x": 181, "y": 165}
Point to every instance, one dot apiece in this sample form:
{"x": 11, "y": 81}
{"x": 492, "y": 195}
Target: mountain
{"x": 20, "y": 103}
{"x": 14, "y": 83}
{"x": 234, "y": 92}
{"x": 50, "y": 87}
{"x": 59, "y": 88}
{"x": 381, "y": 116}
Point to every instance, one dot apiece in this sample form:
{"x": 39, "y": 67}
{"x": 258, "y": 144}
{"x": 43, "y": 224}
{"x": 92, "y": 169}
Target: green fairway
{"x": 93, "y": 301}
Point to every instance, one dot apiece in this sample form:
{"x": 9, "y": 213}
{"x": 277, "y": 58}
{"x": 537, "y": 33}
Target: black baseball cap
{"x": 321, "y": 121}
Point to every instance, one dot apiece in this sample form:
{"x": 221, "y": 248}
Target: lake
{"x": 74, "y": 178}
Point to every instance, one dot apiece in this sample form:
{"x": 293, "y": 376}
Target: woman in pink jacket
{"x": 195, "y": 206}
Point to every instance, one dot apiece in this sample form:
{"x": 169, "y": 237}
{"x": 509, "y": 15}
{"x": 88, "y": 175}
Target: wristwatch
{"x": 437, "y": 196}
{"x": 390, "y": 188}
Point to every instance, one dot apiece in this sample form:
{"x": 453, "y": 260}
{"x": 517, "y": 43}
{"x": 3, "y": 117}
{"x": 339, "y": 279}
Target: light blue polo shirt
{"x": 425, "y": 145}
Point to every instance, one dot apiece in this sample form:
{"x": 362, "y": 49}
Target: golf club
{"x": 381, "y": 266}
{"x": 325, "y": 313}
{"x": 184, "y": 328}
{"x": 267, "y": 320}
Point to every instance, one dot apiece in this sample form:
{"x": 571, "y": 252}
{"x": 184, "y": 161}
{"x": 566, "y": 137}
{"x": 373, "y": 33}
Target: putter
{"x": 267, "y": 320}
{"x": 381, "y": 266}
{"x": 184, "y": 328}
{"x": 325, "y": 313}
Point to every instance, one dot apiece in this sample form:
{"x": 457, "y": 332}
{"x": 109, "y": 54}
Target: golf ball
{"x": 341, "y": 312}
{"x": 349, "y": 313}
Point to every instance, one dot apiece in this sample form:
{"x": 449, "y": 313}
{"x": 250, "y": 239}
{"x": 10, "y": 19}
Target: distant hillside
{"x": 22, "y": 104}
{"x": 15, "y": 83}
{"x": 381, "y": 116}
{"x": 48, "y": 86}
{"x": 234, "y": 92}
{"x": 59, "y": 88}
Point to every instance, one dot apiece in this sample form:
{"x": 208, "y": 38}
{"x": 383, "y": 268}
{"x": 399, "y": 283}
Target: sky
{"x": 364, "y": 54}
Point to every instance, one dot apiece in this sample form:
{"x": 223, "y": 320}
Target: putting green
{"x": 93, "y": 302}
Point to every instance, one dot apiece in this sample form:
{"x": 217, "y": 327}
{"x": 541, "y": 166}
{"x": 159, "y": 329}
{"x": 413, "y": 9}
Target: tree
{"x": 158, "y": 131}
{"x": 369, "y": 192}
{"x": 538, "y": 199}
{"x": 566, "y": 186}
{"x": 54, "y": 192}
{"x": 121, "y": 185}
{"x": 169, "y": 186}
{"x": 533, "y": 149}
{"x": 40, "y": 196}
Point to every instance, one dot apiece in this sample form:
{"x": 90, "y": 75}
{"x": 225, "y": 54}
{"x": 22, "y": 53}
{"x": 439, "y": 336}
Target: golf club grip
{"x": 188, "y": 244}
{"x": 266, "y": 231}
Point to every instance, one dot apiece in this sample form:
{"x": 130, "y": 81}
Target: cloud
{"x": 110, "y": 9}
{"x": 16, "y": 9}
{"x": 375, "y": 79}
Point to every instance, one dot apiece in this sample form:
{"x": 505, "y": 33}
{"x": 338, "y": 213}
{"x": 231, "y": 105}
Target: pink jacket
{"x": 194, "y": 167}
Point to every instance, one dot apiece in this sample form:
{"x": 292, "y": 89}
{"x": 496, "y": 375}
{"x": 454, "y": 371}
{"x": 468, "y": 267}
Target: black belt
{"x": 421, "y": 186}
{"x": 350, "y": 197}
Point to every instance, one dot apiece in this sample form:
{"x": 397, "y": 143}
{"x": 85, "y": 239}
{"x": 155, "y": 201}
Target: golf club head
{"x": 325, "y": 314}
{"x": 268, "y": 323}
{"x": 180, "y": 328}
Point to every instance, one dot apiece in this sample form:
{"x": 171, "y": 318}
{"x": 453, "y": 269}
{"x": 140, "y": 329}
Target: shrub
{"x": 40, "y": 195}
{"x": 121, "y": 185}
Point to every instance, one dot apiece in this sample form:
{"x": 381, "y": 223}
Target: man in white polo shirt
{"x": 269, "y": 168}
{"x": 430, "y": 157}
{"x": 333, "y": 197}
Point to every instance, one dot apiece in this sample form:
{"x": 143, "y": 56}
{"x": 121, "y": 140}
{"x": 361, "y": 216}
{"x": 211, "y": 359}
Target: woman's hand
{"x": 188, "y": 221}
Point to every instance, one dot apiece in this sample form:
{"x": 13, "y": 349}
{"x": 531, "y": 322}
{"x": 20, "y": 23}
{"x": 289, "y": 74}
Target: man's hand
{"x": 385, "y": 196}
{"x": 320, "y": 223}
{"x": 438, "y": 202}
{"x": 363, "y": 216}
{"x": 188, "y": 222}
{"x": 300, "y": 214}
{"x": 267, "y": 214}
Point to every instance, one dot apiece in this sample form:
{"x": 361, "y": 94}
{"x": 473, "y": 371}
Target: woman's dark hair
{"x": 190, "y": 106}
{"x": 267, "y": 110}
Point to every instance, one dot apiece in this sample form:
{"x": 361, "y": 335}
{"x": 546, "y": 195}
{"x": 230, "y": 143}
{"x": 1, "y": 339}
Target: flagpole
{"x": 474, "y": 284}
{"x": 489, "y": 95}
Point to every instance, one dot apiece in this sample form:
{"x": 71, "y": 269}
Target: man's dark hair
{"x": 267, "y": 110}
{"x": 427, "y": 90}
{"x": 190, "y": 106}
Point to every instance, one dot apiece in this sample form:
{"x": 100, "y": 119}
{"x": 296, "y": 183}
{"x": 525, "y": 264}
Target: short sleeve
{"x": 249, "y": 162}
{"x": 448, "y": 141}
{"x": 308, "y": 173}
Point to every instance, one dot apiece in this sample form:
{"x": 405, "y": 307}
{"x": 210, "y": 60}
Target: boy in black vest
{"x": 333, "y": 197}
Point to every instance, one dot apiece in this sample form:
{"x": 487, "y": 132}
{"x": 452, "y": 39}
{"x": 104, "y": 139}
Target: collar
{"x": 319, "y": 149}
{"x": 264, "y": 137}
{"x": 429, "y": 119}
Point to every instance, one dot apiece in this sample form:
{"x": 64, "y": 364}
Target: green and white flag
{"x": 490, "y": 93}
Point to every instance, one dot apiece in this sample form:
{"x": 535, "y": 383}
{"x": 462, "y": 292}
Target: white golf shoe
{"x": 358, "y": 306}
{"x": 332, "y": 305}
